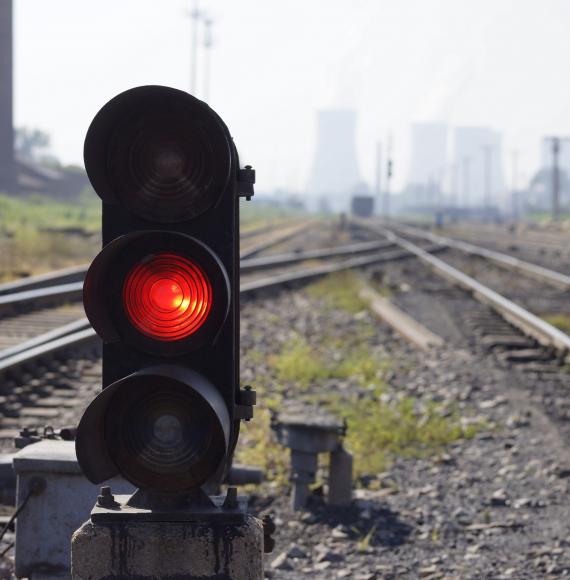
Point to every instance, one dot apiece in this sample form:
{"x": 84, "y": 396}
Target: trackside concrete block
{"x": 168, "y": 550}
{"x": 45, "y": 526}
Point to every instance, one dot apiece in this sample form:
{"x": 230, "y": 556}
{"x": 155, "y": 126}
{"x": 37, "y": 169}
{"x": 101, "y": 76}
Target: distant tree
{"x": 32, "y": 144}
{"x": 542, "y": 180}
{"x": 540, "y": 187}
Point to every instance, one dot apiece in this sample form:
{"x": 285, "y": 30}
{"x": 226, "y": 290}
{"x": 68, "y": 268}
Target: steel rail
{"x": 309, "y": 273}
{"x": 294, "y": 257}
{"x": 50, "y": 294}
{"x": 55, "y": 277}
{"x": 79, "y": 333}
{"x": 528, "y": 323}
{"x": 538, "y": 272}
{"x": 245, "y": 234}
{"x": 505, "y": 239}
{"x": 279, "y": 237}
{"x": 77, "y": 273}
{"x": 56, "y": 333}
{"x": 27, "y": 357}
{"x": 74, "y": 291}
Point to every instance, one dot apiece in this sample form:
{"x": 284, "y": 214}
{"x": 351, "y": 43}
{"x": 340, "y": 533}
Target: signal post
{"x": 163, "y": 294}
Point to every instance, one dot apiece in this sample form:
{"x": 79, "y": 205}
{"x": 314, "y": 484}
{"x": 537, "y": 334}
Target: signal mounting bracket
{"x": 247, "y": 398}
{"x": 245, "y": 181}
{"x": 217, "y": 510}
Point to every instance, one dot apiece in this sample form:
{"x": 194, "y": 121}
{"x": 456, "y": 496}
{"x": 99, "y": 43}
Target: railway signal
{"x": 163, "y": 294}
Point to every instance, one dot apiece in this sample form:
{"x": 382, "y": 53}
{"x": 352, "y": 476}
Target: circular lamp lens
{"x": 161, "y": 171}
{"x": 167, "y": 297}
{"x": 163, "y": 436}
{"x": 161, "y": 153}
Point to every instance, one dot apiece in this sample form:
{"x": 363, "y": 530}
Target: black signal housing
{"x": 167, "y": 171}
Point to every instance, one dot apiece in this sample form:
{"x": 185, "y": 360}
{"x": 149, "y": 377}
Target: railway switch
{"x": 163, "y": 294}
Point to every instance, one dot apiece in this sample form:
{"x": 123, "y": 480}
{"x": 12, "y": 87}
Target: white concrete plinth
{"x": 168, "y": 550}
{"x": 45, "y": 526}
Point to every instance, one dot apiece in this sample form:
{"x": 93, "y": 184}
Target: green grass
{"x": 379, "y": 431}
{"x": 381, "y": 424}
{"x": 545, "y": 216}
{"x": 561, "y": 321}
{"x": 339, "y": 290}
{"x": 300, "y": 363}
{"x": 362, "y": 366}
{"x": 304, "y": 365}
{"x": 38, "y": 234}
{"x": 253, "y": 214}
{"x": 258, "y": 446}
{"x": 39, "y": 212}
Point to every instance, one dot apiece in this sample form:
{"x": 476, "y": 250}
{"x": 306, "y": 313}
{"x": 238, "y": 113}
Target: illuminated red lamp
{"x": 167, "y": 297}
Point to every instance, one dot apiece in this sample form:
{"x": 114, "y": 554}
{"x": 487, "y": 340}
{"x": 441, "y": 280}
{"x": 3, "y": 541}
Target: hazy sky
{"x": 501, "y": 63}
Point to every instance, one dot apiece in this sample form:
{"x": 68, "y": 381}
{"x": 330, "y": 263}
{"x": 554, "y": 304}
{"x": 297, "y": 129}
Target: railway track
{"x": 471, "y": 316}
{"x": 253, "y": 242}
{"x": 514, "y": 313}
{"x": 44, "y": 305}
{"x": 27, "y": 315}
{"x": 551, "y": 251}
{"x": 51, "y": 354}
{"x": 54, "y": 388}
{"x": 34, "y": 372}
{"x": 548, "y": 275}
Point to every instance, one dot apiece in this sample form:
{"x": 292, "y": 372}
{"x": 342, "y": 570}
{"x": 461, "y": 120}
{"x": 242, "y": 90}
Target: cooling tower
{"x": 334, "y": 173}
{"x": 470, "y": 144}
{"x": 429, "y": 153}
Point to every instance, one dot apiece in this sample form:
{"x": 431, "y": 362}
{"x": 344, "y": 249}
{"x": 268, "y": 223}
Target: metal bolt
{"x": 106, "y": 498}
{"x": 49, "y": 432}
{"x": 68, "y": 433}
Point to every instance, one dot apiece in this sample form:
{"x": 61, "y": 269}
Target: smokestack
{"x": 7, "y": 169}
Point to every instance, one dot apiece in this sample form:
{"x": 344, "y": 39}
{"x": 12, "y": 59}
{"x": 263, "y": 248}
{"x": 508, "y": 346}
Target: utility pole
{"x": 453, "y": 196}
{"x": 195, "y": 16}
{"x": 208, "y": 22}
{"x": 465, "y": 182}
{"x": 487, "y": 151}
{"x": 555, "y": 178}
{"x": 440, "y": 180}
{"x": 556, "y": 144}
{"x": 515, "y": 160}
{"x": 388, "y": 179}
{"x": 378, "y": 175}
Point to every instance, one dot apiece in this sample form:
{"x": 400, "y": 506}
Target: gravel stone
{"x": 463, "y": 513}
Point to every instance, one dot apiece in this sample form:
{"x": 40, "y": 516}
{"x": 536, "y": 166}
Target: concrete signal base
{"x": 168, "y": 550}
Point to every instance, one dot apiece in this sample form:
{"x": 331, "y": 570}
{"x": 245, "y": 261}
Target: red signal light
{"x": 167, "y": 297}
